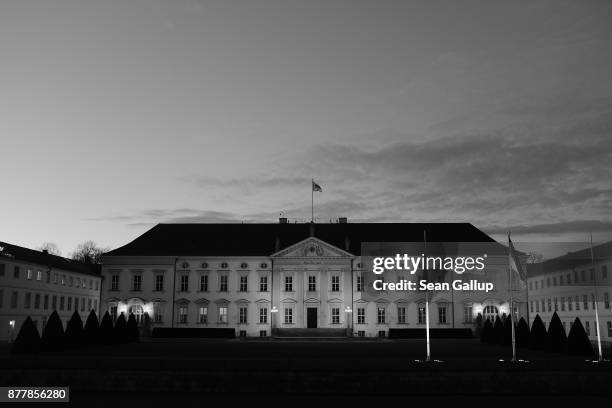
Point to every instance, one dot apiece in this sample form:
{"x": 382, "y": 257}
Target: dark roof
{"x": 9, "y": 251}
{"x": 571, "y": 260}
{"x": 261, "y": 239}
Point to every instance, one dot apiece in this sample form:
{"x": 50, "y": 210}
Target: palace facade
{"x": 264, "y": 278}
{"x": 571, "y": 285}
{"x": 35, "y": 283}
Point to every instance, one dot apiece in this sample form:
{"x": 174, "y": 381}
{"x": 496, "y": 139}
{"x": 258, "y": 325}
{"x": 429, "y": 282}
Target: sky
{"x": 117, "y": 115}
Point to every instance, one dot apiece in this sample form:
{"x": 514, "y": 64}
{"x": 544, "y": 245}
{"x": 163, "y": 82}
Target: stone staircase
{"x": 319, "y": 333}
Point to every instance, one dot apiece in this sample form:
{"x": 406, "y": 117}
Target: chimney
{"x": 342, "y": 220}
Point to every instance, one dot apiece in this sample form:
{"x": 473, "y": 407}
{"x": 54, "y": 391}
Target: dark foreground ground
{"x": 246, "y": 371}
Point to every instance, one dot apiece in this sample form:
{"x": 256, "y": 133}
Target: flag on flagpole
{"x": 515, "y": 264}
{"x": 316, "y": 187}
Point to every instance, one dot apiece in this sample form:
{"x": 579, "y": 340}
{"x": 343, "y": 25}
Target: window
{"x": 359, "y": 283}
{"x": 242, "y": 333}
{"x": 138, "y": 316}
{"x": 569, "y": 279}
{"x": 263, "y": 315}
{"x": 442, "y": 314}
{"x": 609, "y": 329}
{"x": 184, "y": 283}
{"x": 361, "y": 315}
{"x": 606, "y": 300}
{"x": 561, "y": 280}
{"x": 422, "y": 315}
{"x": 531, "y": 308}
{"x": 29, "y": 274}
{"x": 569, "y": 304}
{"x": 183, "y": 314}
{"x": 288, "y": 315}
{"x": 54, "y": 302}
{"x": 335, "y": 315}
{"x": 244, "y": 284}
{"x": 46, "y": 302}
{"x": 78, "y": 282}
{"x": 63, "y": 281}
{"x": 263, "y": 283}
{"x": 381, "y": 333}
{"x": 2, "y": 269}
{"x": 577, "y": 302}
{"x": 242, "y": 315}
{"x": 159, "y": 283}
{"x": 288, "y": 283}
{"x": 591, "y": 274}
{"x": 537, "y": 306}
{"x": 28, "y": 300}
{"x": 71, "y": 281}
{"x": 536, "y": 285}
{"x": 82, "y": 304}
{"x": 312, "y": 283}
{"x": 113, "y": 310}
{"x": 549, "y": 301}
{"x": 530, "y": 285}
{"x": 203, "y": 283}
{"x": 76, "y": 303}
{"x": 361, "y": 333}
{"x": 203, "y": 314}
{"x": 556, "y": 305}
{"x": 114, "y": 282}
{"x": 223, "y": 283}
{"x": 583, "y": 275}
{"x": 223, "y": 314}
{"x": 563, "y": 304}
{"x": 16, "y": 272}
{"x": 62, "y": 300}
{"x": 587, "y": 328}
{"x": 468, "y": 316}
{"x": 137, "y": 284}
{"x": 401, "y": 315}
{"x": 604, "y": 272}
{"x": 585, "y": 302}
{"x": 554, "y": 281}
{"x": 14, "y": 299}
{"x": 263, "y": 333}
{"x": 157, "y": 313}
{"x": 69, "y": 304}
{"x": 38, "y": 276}
{"x": 335, "y": 283}
{"x": 97, "y": 284}
{"x": 491, "y": 312}
{"x": 381, "y": 315}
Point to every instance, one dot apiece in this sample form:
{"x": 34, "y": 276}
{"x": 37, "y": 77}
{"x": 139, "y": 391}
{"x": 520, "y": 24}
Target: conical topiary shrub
{"x": 91, "y": 332}
{"x": 522, "y": 334}
{"x": 74, "y": 331}
{"x": 53, "y": 334}
{"x": 478, "y": 330}
{"x": 132, "y": 329}
{"x": 578, "y": 342}
{"x": 498, "y": 331}
{"x": 556, "y": 336}
{"x": 120, "y": 330}
{"x": 506, "y": 334}
{"x": 537, "y": 336}
{"x": 146, "y": 325}
{"x": 487, "y": 332}
{"x": 106, "y": 332}
{"x": 28, "y": 339}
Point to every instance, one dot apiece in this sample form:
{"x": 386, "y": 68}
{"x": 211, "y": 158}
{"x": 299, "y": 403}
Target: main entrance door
{"x": 311, "y": 317}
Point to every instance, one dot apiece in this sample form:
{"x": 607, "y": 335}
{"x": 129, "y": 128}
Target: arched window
{"x": 490, "y": 313}
{"x": 138, "y": 313}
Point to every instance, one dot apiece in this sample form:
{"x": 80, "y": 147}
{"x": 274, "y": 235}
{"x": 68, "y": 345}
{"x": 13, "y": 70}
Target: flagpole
{"x": 511, "y": 301}
{"x": 599, "y": 357}
{"x": 312, "y": 200}
{"x": 428, "y": 358}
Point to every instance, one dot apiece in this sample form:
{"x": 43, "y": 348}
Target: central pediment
{"x": 312, "y": 248}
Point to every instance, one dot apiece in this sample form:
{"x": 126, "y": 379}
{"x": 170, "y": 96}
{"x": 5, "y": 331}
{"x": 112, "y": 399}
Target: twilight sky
{"x": 117, "y": 115}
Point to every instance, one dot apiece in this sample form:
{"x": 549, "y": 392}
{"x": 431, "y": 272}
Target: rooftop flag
{"x": 316, "y": 187}
{"x": 515, "y": 263}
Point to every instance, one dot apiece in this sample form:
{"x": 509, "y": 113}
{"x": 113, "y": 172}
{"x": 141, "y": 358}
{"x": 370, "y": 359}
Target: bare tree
{"x": 51, "y": 248}
{"x": 89, "y": 252}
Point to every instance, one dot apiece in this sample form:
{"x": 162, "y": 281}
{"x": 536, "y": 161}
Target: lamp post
{"x": 349, "y": 320}
{"x": 273, "y": 312}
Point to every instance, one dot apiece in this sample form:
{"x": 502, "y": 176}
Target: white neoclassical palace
{"x": 262, "y": 278}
